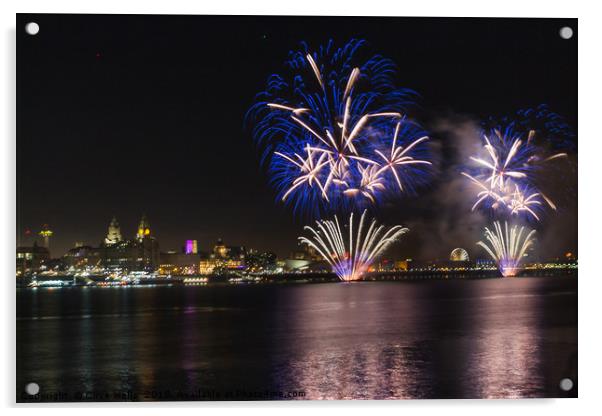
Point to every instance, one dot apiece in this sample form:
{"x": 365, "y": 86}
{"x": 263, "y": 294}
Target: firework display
{"x": 506, "y": 174}
{"x": 350, "y": 252}
{"x": 507, "y": 246}
{"x": 335, "y": 133}
{"x": 336, "y": 138}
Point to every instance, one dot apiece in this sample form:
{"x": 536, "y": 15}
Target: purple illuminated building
{"x": 191, "y": 247}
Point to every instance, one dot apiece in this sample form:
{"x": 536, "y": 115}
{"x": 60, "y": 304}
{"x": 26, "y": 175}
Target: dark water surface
{"x": 488, "y": 338}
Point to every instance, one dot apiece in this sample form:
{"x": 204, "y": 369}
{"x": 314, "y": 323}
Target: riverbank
{"x": 102, "y": 281}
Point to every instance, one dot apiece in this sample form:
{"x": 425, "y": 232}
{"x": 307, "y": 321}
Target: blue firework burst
{"x": 517, "y": 153}
{"x": 326, "y": 124}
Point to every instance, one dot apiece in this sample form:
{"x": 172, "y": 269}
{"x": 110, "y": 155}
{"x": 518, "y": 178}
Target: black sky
{"x": 124, "y": 115}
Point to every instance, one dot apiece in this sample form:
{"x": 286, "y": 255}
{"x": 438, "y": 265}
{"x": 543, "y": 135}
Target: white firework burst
{"x": 351, "y": 253}
{"x": 507, "y": 246}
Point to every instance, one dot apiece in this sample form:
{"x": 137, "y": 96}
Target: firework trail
{"x": 333, "y": 131}
{"x": 351, "y": 253}
{"x": 506, "y": 174}
{"x": 507, "y": 246}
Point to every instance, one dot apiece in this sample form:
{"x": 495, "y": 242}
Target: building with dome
{"x": 459, "y": 254}
{"x": 114, "y": 233}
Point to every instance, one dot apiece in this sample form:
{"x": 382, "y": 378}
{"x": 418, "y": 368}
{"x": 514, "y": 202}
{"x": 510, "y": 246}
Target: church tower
{"x": 46, "y": 234}
{"x": 143, "y": 228}
{"x": 114, "y": 233}
{"x": 145, "y": 248}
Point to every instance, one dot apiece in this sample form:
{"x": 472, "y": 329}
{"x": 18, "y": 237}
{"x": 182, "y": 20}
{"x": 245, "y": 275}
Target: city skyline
{"x": 206, "y": 247}
{"x": 84, "y": 155}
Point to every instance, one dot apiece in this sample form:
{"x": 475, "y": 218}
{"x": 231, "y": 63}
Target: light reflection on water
{"x": 506, "y": 361}
{"x": 346, "y": 346}
{"x": 490, "y": 338}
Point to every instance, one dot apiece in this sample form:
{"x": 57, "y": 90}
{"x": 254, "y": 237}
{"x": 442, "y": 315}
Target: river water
{"x": 480, "y": 338}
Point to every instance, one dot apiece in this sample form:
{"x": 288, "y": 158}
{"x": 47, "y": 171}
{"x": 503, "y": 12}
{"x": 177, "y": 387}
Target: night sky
{"x": 125, "y": 115}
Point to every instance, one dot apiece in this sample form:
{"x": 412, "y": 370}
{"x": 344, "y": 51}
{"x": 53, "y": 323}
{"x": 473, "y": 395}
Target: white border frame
{"x": 590, "y": 94}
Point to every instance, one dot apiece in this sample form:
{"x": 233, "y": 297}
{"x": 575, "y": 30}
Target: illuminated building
{"x": 82, "y": 257}
{"x": 179, "y": 264}
{"x": 220, "y": 266}
{"x": 402, "y": 265}
{"x": 143, "y": 228}
{"x": 30, "y": 259}
{"x": 46, "y": 234}
{"x": 191, "y": 247}
{"x": 146, "y": 252}
{"x": 139, "y": 254}
{"x": 207, "y": 266}
{"x": 458, "y": 254}
{"x": 220, "y": 250}
{"x": 119, "y": 256}
{"x": 223, "y": 259}
{"x": 114, "y": 233}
